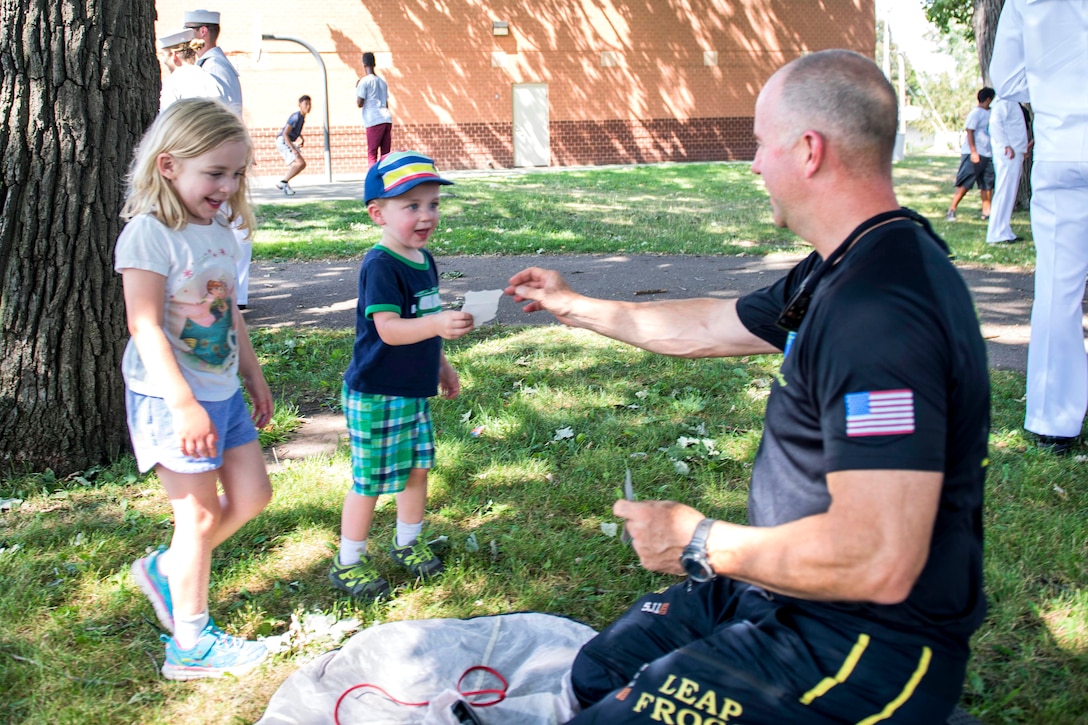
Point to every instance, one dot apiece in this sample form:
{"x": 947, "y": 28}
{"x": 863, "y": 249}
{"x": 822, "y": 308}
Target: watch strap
{"x": 702, "y": 532}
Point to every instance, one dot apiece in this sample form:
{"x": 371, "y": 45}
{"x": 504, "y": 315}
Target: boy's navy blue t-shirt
{"x": 296, "y": 122}
{"x": 391, "y": 283}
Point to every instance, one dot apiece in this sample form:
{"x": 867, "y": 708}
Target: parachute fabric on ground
{"x": 422, "y": 660}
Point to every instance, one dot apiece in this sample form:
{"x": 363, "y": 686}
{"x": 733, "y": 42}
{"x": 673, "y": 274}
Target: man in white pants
{"x": 212, "y": 60}
{"x": 1040, "y": 46}
{"x": 1009, "y": 140}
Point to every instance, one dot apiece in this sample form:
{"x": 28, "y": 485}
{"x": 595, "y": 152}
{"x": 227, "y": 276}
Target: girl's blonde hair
{"x": 189, "y": 128}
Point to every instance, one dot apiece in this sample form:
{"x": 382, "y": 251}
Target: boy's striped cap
{"x": 398, "y": 172}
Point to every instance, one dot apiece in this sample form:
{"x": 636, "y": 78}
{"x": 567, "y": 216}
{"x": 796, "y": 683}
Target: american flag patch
{"x": 880, "y": 413}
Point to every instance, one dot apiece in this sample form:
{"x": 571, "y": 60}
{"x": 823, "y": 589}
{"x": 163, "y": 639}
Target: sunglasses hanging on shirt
{"x": 791, "y": 316}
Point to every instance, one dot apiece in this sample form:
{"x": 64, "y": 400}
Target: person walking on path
{"x": 976, "y": 162}
{"x": 397, "y": 364}
{"x": 1010, "y": 141}
{"x": 1041, "y": 57}
{"x": 212, "y": 60}
{"x": 184, "y": 79}
{"x": 853, "y": 593}
{"x": 289, "y": 142}
{"x": 372, "y": 95}
{"x": 187, "y": 415}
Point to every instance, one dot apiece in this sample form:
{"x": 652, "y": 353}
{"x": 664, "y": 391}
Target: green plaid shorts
{"x": 389, "y": 437}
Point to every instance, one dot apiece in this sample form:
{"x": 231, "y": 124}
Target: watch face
{"x": 697, "y": 566}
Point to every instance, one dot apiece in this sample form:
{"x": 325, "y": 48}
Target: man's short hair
{"x": 368, "y": 60}
{"x": 304, "y": 97}
{"x": 213, "y": 30}
{"x": 986, "y": 94}
{"x": 845, "y": 97}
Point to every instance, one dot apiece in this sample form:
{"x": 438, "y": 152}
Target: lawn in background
{"x": 705, "y": 208}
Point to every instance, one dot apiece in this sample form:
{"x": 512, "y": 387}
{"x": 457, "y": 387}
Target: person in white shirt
{"x": 212, "y": 60}
{"x": 976, "y": 162}
{"x": 1010, "y": 143}
{"x": 1041, "y": 57}
{"x": 185, "y": 80}
{"x": 372, "y": 95}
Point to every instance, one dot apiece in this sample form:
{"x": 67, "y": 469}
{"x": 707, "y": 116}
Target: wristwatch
{"x": 695, "y": 558}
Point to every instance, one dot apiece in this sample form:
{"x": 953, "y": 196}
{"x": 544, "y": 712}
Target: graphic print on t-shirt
{"x": 201, "y": 310}
{"x": 427, "y": 302}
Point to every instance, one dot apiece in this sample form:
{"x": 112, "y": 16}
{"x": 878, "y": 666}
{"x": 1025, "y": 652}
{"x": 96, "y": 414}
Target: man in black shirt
{"x": 853, "y": 592}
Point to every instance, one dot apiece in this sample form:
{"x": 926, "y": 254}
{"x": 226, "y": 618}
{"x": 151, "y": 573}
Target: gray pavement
{"x": 323, "y": 294}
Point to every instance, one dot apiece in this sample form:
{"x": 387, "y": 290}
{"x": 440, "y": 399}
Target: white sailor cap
{"x": 176, "y": 38}
{"x": 196, "y": 18}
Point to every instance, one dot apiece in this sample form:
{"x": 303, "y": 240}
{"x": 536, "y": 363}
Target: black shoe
{"x": 243, "y": 307}
{"x": 359, "y": 580}
{"x": 417, "y": 558}
{"x": 1055, "y": 445}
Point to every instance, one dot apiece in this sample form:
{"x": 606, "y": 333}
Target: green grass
{"x": 711, "y": 208}
{"x": 560, "y": 415}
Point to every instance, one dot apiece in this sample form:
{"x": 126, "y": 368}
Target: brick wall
{"x": 573, "y": 143}
{"x": 662, "y": 81}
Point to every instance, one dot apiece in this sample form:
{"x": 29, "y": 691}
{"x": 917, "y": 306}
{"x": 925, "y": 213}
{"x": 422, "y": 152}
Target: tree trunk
{"x": 984, "y": 22}
{"x": 78, "y": 85}
{"x": 987, "y": 13}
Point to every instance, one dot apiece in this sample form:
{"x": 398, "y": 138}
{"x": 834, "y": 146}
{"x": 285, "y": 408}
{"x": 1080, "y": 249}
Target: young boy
{"x": 976, "y": 157}
{"x": 396, "y": 365}
{"x": 289, "y": 142}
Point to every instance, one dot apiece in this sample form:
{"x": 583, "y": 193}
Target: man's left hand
{"x": 659, "y": 531}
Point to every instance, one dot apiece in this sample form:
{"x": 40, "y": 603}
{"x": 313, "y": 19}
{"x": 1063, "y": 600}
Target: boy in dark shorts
{"x": 397, "y": 364}
{"x": 976, "y": 157}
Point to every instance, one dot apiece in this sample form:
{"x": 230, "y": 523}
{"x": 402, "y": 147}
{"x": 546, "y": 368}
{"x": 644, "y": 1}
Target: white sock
{"x": 351, "y": 551}
{"x": 187, "y": 629}
{"x": 163, "y": 561}
{"x": 407, "y": 533}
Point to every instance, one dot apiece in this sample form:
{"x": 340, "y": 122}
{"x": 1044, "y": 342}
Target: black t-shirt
{"x": 887, "y": 371}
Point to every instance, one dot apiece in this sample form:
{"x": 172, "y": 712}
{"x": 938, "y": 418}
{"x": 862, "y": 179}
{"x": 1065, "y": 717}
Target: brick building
{"x": 502, "y": 84}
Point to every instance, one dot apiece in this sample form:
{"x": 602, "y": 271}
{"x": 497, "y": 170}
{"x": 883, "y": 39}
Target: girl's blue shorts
{"x": 151, "y": 427}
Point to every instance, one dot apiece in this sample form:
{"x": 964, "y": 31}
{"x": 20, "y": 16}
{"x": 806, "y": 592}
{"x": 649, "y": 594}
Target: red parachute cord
{"x": 498, "y": 694}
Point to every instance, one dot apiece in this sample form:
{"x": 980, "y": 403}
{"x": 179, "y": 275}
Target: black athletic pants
{"x": 727, "y": 652}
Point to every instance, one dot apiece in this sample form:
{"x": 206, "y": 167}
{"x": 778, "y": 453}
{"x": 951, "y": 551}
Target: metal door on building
{"x": 532, "y": 146}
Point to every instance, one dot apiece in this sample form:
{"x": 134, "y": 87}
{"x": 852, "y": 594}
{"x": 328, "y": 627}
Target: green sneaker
{"x": 359, "y": 580}
{"x": 418, "y": 558}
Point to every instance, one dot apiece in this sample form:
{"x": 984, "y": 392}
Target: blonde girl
{"x": 187, "y": 416}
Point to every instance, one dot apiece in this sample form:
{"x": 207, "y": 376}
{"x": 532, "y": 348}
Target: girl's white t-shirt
{"x": 198, "y": 310}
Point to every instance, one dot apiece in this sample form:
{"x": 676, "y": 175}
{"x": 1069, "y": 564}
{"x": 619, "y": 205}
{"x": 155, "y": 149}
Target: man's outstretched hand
{"x": 543, "y": 289}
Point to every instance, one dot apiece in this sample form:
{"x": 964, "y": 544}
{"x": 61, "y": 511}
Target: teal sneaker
{"x": 418, "y": 558}
{"x": 215, "y": 654}
{"x": 155, "y": 587}
{"x": 359, "y": 580}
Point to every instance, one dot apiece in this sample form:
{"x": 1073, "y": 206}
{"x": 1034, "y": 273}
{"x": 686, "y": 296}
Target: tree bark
{"x": 984, "y": 22}
{"x": 78, "y": 85}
